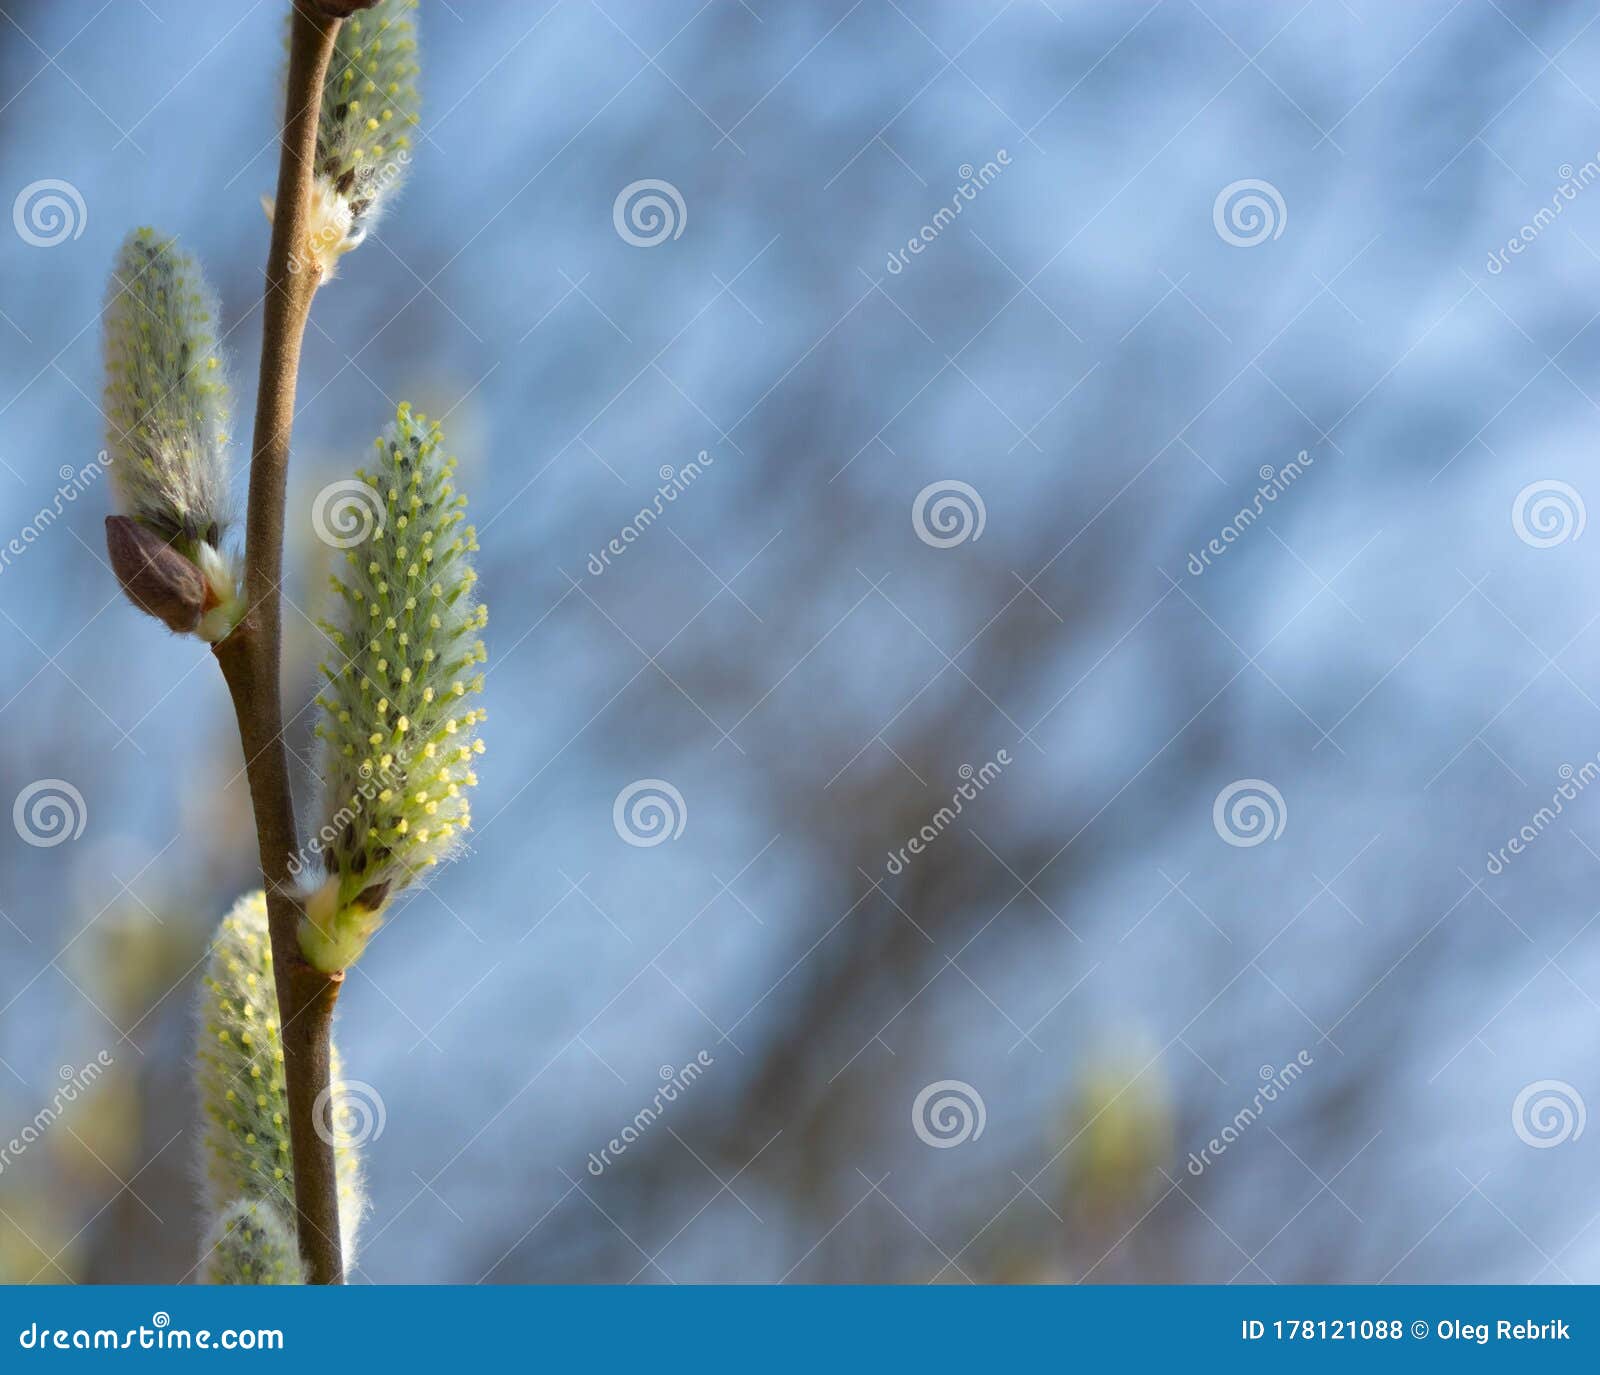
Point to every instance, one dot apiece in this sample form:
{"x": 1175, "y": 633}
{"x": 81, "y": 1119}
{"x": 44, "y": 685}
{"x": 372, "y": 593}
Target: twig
{"x": 250, "y": 656}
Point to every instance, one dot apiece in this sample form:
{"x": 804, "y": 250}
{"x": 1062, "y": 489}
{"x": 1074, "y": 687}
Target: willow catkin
{"x": 399, "y": 737}
{"x": 167, "y": 406}
{"x": 244, "y": 1104}
{"x": 369, "y": 107}
{"x": 251, "y": 1242}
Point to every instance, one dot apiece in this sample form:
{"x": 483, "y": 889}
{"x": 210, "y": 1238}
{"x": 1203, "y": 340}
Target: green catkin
{"x": 251, "y": 1242}
{"x": 239, "y": 1065}
{"x": 166, "y": 397}
{"x": 369, "y": 104}
{"x": 398, "y": 736}
{"x": 167, "y": 409}
{"x": 369, "y": 107}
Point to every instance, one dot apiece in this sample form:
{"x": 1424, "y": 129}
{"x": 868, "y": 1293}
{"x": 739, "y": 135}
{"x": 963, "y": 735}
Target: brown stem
{"x": 306, "y": 996}
{"x": 250, "y": 656}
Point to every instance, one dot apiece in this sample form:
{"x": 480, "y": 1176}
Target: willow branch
{"x": 250, "y": 657}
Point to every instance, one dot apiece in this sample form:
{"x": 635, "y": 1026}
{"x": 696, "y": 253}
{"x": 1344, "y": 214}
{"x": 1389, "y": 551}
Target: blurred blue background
{"x": 1108, "y": 349}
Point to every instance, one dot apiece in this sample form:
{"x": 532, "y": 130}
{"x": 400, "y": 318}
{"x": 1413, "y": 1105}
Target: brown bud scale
{"x": 157, "y": 578}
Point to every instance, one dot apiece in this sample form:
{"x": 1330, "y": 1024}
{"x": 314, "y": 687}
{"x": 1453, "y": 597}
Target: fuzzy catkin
{"x": 369, "y": 107}
{"x": 369, "y": 103}
{"x": 251, "y": 1242}
{"x": 166, "y": 396}
{"x": 239, "y": 1064}
{"x": 167, "y": 408}
{"x": 399, "y": 737}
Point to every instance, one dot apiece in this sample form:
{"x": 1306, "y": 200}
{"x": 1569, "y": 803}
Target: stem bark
{"x": 250, "y": 656}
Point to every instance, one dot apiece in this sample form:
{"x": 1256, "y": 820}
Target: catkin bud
{"x": 166, "y": 398}
{"x": 156, "y": 577}
{"x": 251, "y": 1242}
{"x": 399, "y": 738}
{"x": 369, "y": 107}
{"x": 239, "y": 1067}
{"x": 166, "y": 406}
